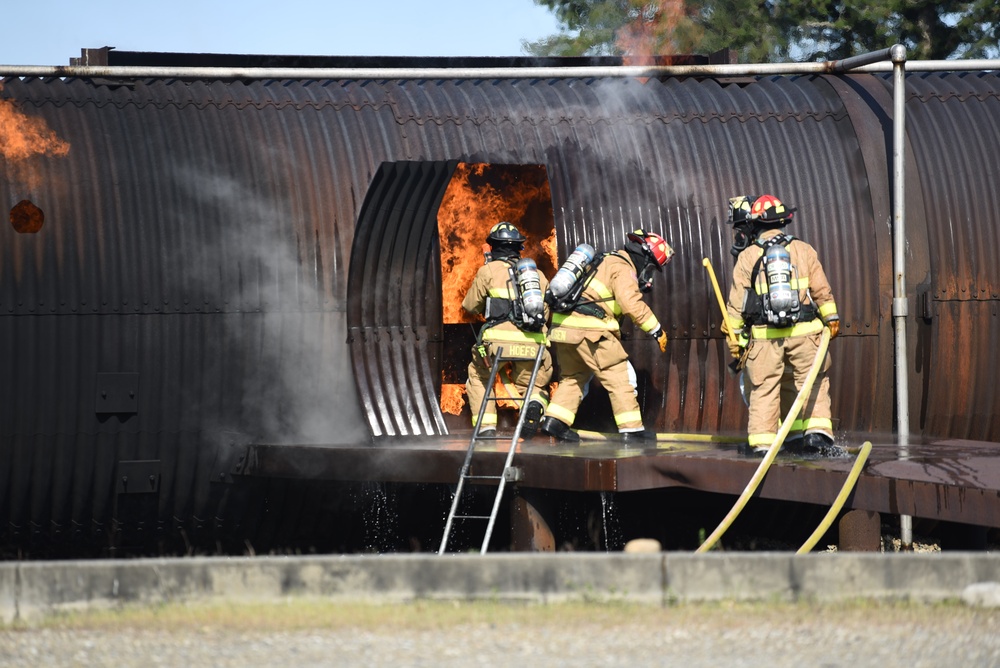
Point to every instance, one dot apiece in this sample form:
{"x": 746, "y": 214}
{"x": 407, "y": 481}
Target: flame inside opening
{"x": 478, "y": 197}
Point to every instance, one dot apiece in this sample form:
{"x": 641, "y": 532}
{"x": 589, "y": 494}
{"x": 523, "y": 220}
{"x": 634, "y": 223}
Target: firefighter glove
{"x": 834, "y": 326}
{"x": 735, "y": 349}
{"x": 661, "y": 339}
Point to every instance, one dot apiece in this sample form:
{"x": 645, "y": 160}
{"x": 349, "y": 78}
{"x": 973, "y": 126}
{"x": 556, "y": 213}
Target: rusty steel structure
{"x": 198, "y": 265}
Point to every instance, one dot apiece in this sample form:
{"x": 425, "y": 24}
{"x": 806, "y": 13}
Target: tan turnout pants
{"x": 607, "y": 360}
{"x": 520, "y": 376}
{"x": 767, "y": 367}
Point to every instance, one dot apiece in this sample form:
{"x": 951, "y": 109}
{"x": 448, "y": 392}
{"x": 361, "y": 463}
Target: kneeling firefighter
{"x": 508, "y": 291}
{"x": 586, "y": 332}
{"x": 779, "y": 303}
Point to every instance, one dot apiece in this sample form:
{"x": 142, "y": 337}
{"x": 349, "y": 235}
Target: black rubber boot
{"x": 559, "y": 430}
{"x": 815, "y": 444}
{"x": 793, "y": 445}
{"x": 823, "y": 446}
{"x": 747, "y": 450}
{"x": 638, "y": 437}
{"x": 532, "y": 418}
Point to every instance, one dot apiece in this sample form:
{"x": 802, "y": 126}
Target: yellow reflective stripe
{"x": 798, "y": 329}
{"x": 816, "y": 424}
{"x": 797, "y": 426}
{"x": 650, "y": 324}
{"x": 607, "y": 297}
{"x": 489, "y": 419}
{"x": 628, "y": 416}
{"x": 600, "y": 289}
{"x": 761, "y": 439}
{"x": 560, "y": 413}
{"x": 501, "y": 293}
{"x": 514, "y": 336}
{"x": 828, "y": 309}
{"x": 581, "y": 321}
{"x": 540, "y": 398}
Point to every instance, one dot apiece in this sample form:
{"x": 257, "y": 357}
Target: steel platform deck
{"x": 948, "y": 480}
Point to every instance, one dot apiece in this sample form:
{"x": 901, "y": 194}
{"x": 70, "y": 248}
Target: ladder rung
{"x": 511, "y": 473}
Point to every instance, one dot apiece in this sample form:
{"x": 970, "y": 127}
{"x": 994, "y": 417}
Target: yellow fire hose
{"x": 838, "y": 503}
{"x": 661, "y": 437}
{"x": 772, "y": 452}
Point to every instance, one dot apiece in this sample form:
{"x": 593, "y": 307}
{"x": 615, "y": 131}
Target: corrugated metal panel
{"x": 954, "y": 128}
{"x": 394, "y": 316}
{"x": 202, "y": 235}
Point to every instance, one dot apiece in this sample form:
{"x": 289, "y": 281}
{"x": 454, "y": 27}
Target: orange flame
{"x": 24, "y": 137}
{"x": 452, "y": 398}
{"x": 478, "y": 197}
{"x": 659, "y": 27}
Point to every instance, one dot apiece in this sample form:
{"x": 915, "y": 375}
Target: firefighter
{"x": 518, "y": 330}
{"x": 779, "y": 303}
{"x": 588, "y": 337}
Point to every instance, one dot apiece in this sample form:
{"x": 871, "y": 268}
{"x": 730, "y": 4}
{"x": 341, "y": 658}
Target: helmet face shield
{"x": 739, "y": 218}
{"x": 742, "y": 238}
{"x": 645, "y": 277}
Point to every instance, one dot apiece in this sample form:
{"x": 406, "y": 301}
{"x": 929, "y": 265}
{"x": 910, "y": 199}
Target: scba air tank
{"x": 782, "y": 301}
{"x": 572, "y": 269}
{"x": 529, "y": 287}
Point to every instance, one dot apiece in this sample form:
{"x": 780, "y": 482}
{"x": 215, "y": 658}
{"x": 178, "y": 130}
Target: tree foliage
{"x": 766, "y": 30}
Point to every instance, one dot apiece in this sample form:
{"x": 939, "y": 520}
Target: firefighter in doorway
{"x": 587, "y": 336}
{"x": 779, "y": 303}
{"x": 508, "y": 291}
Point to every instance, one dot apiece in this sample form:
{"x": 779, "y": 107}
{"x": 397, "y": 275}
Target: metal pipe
{"x": 900, "y": 304}
{"x": 935, "y": 66}
{"x": 410, "y": 72}
{"x": 862, "y": 63}
{"x": 862, "y": 59}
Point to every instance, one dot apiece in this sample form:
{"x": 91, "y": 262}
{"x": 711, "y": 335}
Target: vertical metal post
{"x": 900, "y": 309}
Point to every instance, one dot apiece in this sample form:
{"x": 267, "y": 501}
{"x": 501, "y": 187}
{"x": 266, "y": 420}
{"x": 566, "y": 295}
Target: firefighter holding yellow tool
{"x": 779, "y": 303}
{"x": 585, "y": 329}
{"x": 508, "y": 291}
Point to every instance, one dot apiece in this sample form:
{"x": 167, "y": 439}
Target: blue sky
{"x": 50, "y": 32}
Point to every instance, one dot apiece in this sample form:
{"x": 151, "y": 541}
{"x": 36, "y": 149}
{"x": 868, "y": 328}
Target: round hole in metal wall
{"x": 26, "y": 218}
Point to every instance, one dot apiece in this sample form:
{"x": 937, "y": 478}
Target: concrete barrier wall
{"x": 30, "y": 590}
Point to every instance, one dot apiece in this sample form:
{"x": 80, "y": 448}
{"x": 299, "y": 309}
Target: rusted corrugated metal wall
{"x": 954, "y": 131}
{"x": 201, "y": 234}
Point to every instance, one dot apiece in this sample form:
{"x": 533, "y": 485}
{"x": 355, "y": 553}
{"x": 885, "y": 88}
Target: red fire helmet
{"x": 769, "y": 209}
{"x": 656, "y": 246}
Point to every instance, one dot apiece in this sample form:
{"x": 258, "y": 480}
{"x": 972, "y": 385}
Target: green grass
{"x": 304, "y": 613}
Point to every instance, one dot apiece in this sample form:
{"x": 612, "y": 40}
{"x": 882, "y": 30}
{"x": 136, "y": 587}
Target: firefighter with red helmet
{"x": 779, "y": 303}
{"x": 515, "y": 321}
{"x": 587, "y": 336}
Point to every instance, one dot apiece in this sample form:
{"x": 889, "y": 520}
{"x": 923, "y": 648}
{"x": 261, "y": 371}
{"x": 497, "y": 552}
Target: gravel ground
{"x": 855, "y": 635}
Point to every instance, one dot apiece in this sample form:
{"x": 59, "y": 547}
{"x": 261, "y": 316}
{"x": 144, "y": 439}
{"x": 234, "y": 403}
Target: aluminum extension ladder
{"x": 510, "y": 473}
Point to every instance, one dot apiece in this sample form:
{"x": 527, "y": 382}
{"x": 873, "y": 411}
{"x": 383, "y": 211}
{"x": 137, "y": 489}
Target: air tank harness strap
{"x": 592, "y": 308}
{"x": 755, "y": 313}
